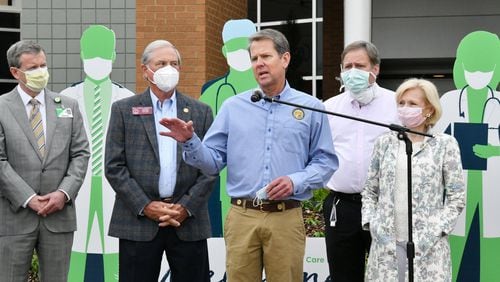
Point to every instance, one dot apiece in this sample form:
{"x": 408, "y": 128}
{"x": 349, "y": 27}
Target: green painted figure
{"x": 472, "y": 114}
{"x": 95, "y": 255}
{"x": 238, "y": 79}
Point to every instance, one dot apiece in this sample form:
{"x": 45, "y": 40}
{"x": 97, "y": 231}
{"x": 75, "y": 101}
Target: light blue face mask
{"x": 355, "y": 80}
{"x": 260, "y": 196}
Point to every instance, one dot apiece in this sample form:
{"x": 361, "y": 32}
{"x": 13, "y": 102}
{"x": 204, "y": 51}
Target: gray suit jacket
{"x": 133, "y": 167}
{"x": 24, "y": 172}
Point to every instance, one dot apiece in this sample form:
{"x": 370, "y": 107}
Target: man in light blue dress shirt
{"x": 288, "y": 150}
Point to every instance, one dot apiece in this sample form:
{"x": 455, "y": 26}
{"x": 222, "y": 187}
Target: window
{"x": 10, "y": 32}
{"x": 302, "y": 23}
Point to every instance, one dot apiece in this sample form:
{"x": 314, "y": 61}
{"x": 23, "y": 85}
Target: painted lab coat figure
{"x": 472, "y": 114}
{"x": 95, "y": 255}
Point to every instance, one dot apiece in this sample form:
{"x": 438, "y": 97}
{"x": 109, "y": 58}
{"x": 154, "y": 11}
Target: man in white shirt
{"x": 346, "y": 243}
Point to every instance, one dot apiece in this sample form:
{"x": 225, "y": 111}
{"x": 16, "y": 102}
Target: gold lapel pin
{"x": 298, "y": 114}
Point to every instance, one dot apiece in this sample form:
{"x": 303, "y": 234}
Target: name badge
{"x": 64, "y": 113}
{"x": 141, "y": 111}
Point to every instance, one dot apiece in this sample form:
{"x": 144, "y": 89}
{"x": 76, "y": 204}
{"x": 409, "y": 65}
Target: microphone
{"x": 256, "y": 96}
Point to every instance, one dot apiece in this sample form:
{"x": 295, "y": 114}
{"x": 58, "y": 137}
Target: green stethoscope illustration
{"x": 218, "y": 91}
{"x": 492, "y": 98}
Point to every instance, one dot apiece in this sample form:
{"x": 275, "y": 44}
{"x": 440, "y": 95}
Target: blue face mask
{"x": 355, "y": 80}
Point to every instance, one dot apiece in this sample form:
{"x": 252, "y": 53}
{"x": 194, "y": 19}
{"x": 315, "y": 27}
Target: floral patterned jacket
{"x": 438, "y": 197}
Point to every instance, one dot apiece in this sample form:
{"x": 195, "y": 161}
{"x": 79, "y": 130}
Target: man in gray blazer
{"x": 43, "y": 159}
{"x": 161, "y": 202}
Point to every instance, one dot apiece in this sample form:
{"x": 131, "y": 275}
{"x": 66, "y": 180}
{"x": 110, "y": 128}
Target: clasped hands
{"x": 48, "y": 203}
{"x": 166, "y": 214}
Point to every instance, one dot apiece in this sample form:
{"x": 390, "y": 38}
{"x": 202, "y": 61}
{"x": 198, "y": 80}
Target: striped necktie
{"x": 37, "y": 125}
{"x": 97, "y": 132}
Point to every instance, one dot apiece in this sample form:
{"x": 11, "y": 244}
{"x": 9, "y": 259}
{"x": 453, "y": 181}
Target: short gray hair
{"x": 22, "y": 47}
{"x": 279, "y": 40}
{"x": 157, "y": 44}
{"x": 370, "y": 49}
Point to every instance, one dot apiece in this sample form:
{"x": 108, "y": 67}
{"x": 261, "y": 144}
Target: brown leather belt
{"x": 168, "y": 200}
{"x": 266, "y": 206}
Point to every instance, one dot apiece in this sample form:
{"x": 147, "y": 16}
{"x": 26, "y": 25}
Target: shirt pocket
{"x": 295, "y": 136}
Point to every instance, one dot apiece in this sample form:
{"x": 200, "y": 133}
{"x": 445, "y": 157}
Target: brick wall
{"x": 194, "y": 27}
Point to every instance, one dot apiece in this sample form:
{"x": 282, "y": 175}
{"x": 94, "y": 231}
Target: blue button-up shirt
{"x": 167, "y": 147}
{"x": 262, "y": 141}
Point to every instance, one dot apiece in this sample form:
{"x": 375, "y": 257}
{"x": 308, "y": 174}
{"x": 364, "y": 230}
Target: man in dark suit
{"x": 44, "y": 154}
{"x": 161, "y": 202}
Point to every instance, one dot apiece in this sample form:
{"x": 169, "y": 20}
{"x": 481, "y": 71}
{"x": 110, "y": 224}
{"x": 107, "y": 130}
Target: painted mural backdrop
{"x": 471, "y": 113}
{"x": 94, "y": 255}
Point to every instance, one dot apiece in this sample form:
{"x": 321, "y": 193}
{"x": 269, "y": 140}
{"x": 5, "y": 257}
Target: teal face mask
{"x": 355, "y": 80}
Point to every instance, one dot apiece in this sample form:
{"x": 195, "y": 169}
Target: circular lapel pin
{"x": 298, "y": 113}
{"x": 186, "y": 110}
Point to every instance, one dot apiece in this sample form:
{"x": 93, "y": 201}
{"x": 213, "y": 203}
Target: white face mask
{"x": 478, "y": 79}
{"x": 239, "y": 60}
{"x": 97, "y": 68}
{"x": 260, "y": 196}
{"x": 166, "y": 78}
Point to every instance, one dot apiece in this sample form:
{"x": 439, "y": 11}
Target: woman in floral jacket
{"x": 438, "y": 193}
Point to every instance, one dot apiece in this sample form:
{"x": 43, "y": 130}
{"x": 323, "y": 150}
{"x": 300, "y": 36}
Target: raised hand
{"x": 180, "y": 130}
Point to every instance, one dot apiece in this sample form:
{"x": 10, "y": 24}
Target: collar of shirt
{"x": 284, "y": 93}
{"x": 157, "y": 105}
{"x": 26, "y": 98}
{"x": 92, "y": 84}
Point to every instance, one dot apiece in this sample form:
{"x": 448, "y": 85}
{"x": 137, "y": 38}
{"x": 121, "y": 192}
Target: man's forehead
{"x": 356, "y": 56}
{"x": 33, "y": 54}
{"x": 32, "y": 57}
{"x": 164, "y": 53}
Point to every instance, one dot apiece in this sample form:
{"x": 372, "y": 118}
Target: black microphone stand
{"x": 402, "y": 135}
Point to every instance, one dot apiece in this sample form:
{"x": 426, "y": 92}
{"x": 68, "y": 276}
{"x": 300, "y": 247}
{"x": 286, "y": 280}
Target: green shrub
{"x": 312, "y": 211}
{"x": 33, "y": 273}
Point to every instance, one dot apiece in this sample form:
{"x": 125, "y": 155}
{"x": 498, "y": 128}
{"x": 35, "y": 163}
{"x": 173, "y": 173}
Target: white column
{"x": 357, "y": 20}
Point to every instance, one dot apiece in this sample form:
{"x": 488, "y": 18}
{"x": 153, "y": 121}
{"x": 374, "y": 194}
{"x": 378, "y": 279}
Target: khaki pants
{"x": 273, "y": 241}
